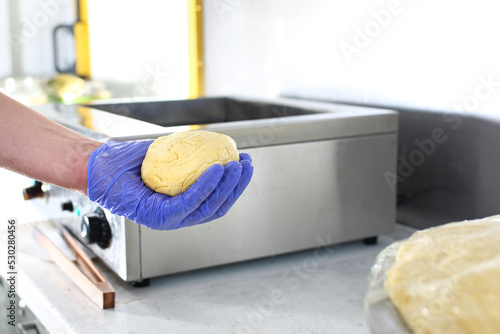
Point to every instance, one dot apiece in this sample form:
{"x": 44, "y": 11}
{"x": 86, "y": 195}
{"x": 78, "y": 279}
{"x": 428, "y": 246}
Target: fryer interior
{"x": 201, "y": 111}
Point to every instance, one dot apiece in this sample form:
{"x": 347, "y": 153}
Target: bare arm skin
{"x": 37, "y": 147}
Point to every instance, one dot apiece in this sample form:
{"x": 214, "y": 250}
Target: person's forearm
{"x": 35, "y": 146}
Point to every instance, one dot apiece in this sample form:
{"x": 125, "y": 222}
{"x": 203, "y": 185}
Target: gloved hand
{"x": 114, "y": 182}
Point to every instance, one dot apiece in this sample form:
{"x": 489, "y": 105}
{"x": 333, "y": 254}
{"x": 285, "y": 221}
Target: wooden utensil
{"x": 87, "y": 277}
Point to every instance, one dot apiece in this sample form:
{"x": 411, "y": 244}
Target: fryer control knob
{"x": 67, "y": 206}
{"x": 95, "y": 228}
{"x": 35, "y": 191}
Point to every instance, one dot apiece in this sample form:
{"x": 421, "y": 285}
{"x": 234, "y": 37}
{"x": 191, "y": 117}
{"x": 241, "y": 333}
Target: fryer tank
{"x": 323, "y": 174}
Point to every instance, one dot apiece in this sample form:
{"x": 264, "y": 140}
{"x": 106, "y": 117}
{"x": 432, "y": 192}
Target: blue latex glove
{"x": 114, "y": 182}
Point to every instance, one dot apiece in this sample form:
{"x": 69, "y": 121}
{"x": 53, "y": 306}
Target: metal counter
{"x": 315, "y": 291}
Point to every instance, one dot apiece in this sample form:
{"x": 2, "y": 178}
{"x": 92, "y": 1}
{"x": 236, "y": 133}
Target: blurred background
{"x": 405, "y": 53}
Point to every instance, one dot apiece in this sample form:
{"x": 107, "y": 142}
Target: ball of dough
{"x": 174, "y": 162}
{"x": 445, "y": 279}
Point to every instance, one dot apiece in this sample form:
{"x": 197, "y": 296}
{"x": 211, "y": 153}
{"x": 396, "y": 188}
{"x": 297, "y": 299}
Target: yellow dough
{"x": 174, "y": 162}
{"x": 446, "y": 279}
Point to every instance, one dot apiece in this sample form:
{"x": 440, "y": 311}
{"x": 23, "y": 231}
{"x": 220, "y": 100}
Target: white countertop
{"x": 316, "y": 291}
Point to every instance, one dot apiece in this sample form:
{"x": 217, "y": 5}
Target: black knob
{"x": 34, "y": 191}
{"x": 95, "y": 228}
{"x": 67, "y": 206}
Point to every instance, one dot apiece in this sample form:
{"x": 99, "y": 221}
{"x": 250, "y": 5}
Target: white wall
{"x": 140, "y": 47}
{"x": 422, "y": 53}
{"x": 425, "y": 53}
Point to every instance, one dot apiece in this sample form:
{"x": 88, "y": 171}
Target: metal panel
{"x": 123, "y": 253}
{"x": 301, "y": 196}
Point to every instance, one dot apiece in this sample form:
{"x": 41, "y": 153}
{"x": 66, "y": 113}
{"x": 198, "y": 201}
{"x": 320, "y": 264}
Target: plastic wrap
{"x": 381, "y": 315}
{"x": 446, "y": 280}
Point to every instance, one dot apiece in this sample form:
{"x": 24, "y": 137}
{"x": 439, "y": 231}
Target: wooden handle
{"x": 94, "y": 284}
{"x": 82, "y": 259}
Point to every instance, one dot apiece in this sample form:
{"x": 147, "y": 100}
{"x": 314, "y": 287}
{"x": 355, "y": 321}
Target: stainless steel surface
{"x": 319, "y": 177}
{"x": 302, "y": 194}
{"x": 123, "y": 253}
{"x": 252, "y": 123}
